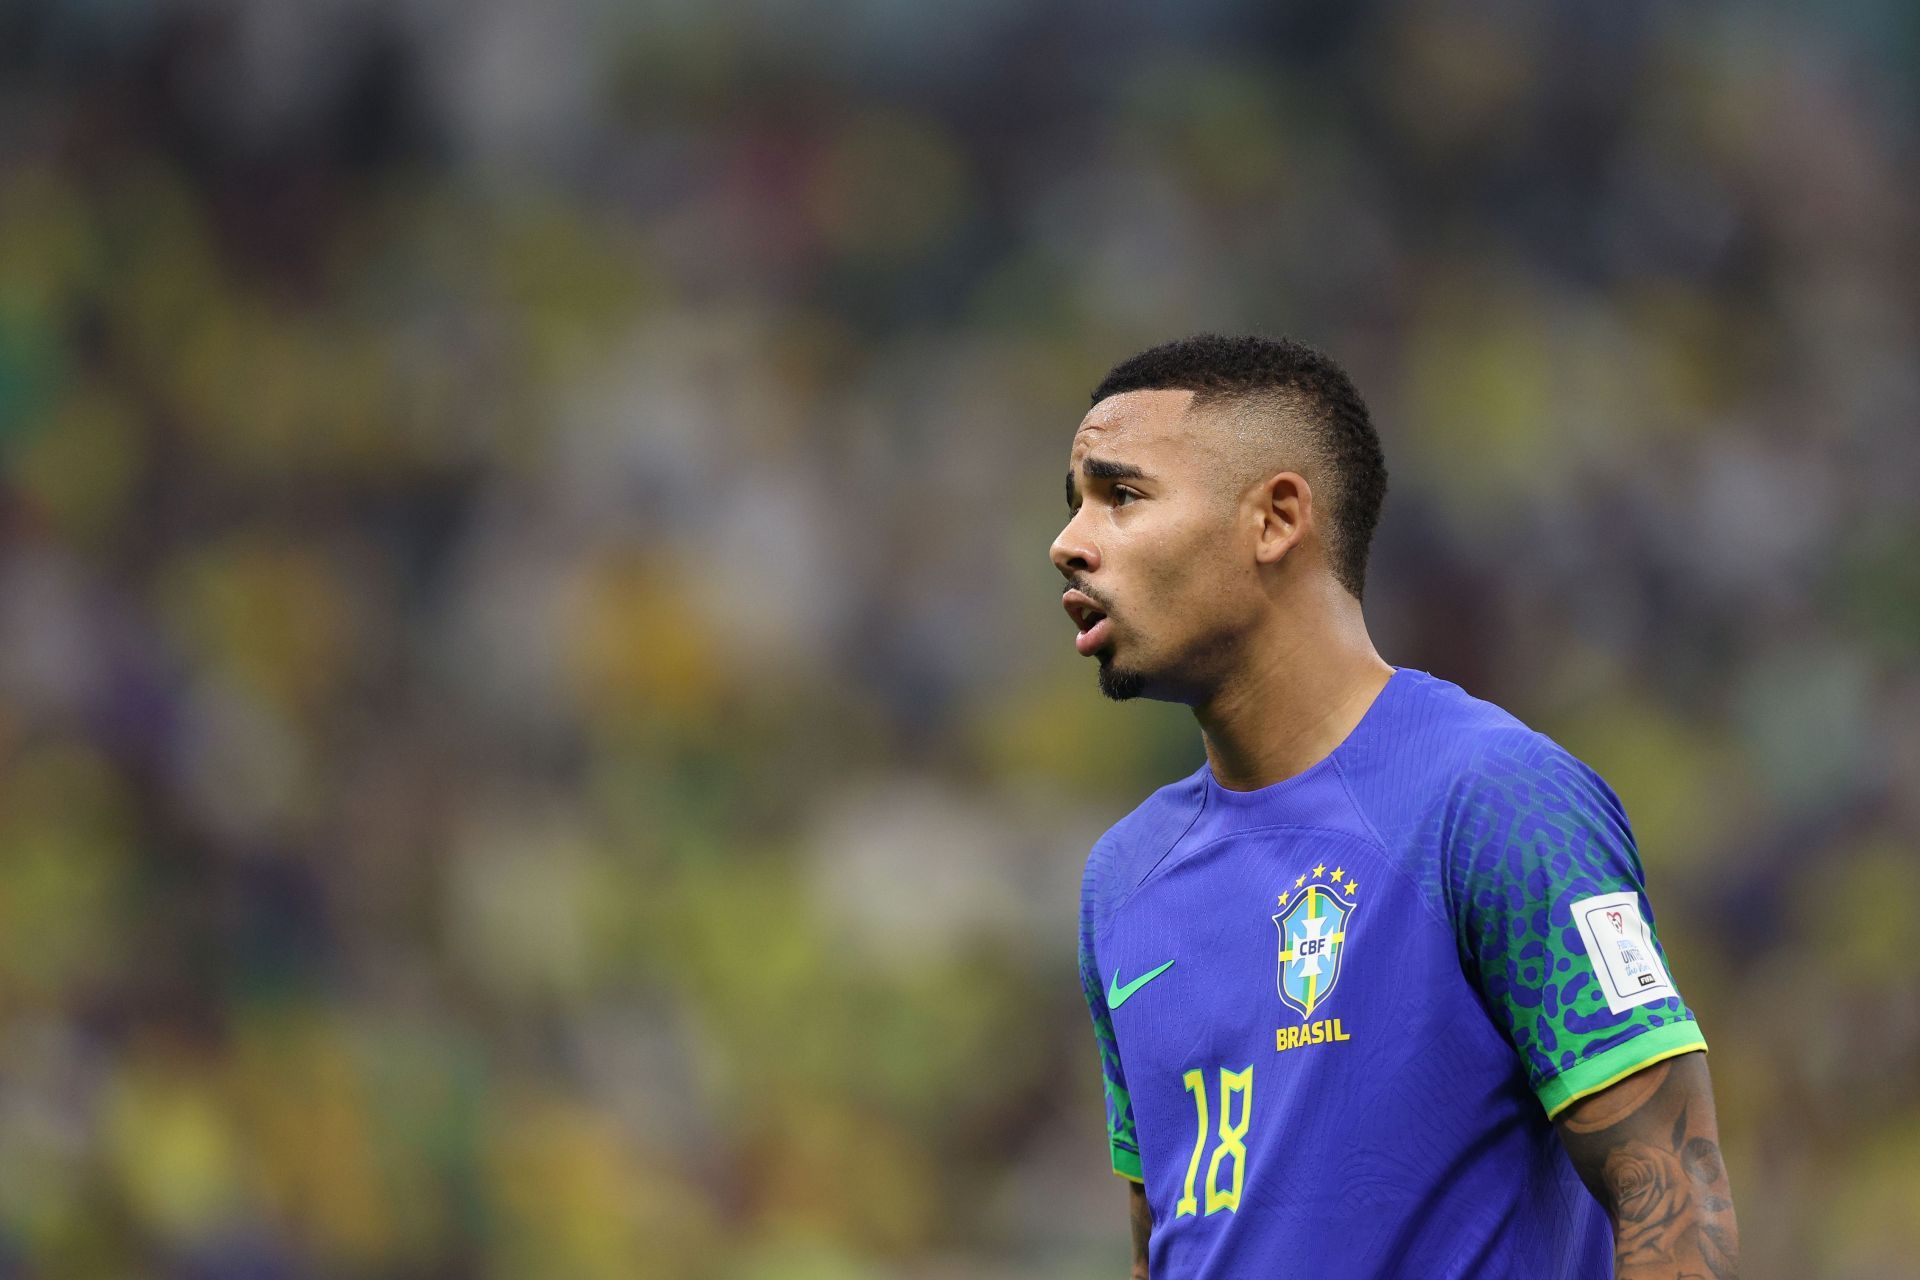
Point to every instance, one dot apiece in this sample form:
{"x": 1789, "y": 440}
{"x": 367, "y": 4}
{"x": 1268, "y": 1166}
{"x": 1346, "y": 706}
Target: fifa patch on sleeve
{"x": 1621, "y": 947}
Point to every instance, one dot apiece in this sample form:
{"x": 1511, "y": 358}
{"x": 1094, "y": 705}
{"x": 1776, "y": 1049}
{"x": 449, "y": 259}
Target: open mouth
{"x": 1089, "y": 619}
{"x": 1085, "y": 617}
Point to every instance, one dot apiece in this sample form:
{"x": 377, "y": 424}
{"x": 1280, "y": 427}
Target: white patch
{"x": 1621, "y": 947}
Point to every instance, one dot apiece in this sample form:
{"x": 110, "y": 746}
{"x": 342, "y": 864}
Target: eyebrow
{"x": 1101, "y": 469}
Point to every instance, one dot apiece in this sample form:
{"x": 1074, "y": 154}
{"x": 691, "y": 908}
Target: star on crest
{"x": 1319, "y": 871}
{"x": 1283, "y": 899}
{"x": 1352, "y": 884}
{"x": 1337, "y": 873}
{"x": 1298, "y": 881}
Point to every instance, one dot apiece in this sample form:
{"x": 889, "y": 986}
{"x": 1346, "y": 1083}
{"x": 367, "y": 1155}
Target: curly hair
{"x": 1321, "y": 397}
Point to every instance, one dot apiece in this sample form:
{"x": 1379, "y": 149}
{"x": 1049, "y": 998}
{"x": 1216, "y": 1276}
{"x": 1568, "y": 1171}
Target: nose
{"x": 1073, "y": 552}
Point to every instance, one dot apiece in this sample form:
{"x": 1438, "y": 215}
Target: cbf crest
{"x": 1313, "y": 927}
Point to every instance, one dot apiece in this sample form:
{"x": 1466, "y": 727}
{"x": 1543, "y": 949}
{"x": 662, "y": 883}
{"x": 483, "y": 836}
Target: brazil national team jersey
{"x": 1337, "y": 1014}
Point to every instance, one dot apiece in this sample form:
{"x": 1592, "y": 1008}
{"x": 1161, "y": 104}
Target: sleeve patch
{"x": 1620, "y": 946}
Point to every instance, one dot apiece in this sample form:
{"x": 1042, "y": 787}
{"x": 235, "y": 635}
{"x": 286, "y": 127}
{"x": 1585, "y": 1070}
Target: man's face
{"x": 1157, "y": 584}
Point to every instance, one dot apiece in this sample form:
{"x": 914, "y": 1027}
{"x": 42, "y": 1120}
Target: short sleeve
{"x": 1550, "y": 911}
{"x": 1120, "y": 1132}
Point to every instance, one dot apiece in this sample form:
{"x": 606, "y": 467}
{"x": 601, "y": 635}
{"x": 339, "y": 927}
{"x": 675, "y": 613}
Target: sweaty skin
{"x": 1143, "y": 543}
{"x": 1219, "y": 595}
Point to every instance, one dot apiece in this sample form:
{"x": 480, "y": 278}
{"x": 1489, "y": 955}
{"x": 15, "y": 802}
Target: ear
{"x": 1283, "y": 504}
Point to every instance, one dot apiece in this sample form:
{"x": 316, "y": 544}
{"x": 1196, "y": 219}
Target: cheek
{"x": 1196, "y": 582}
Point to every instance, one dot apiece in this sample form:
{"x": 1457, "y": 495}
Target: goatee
{"x": 1119, "y": 684}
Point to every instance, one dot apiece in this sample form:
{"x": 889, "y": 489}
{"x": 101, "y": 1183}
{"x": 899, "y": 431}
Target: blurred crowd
{"x": 536, "y": 733}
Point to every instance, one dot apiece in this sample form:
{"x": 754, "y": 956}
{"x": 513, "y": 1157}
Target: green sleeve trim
{"x": 1616, "y": 1064}
{"x": 1127, "y": 1165}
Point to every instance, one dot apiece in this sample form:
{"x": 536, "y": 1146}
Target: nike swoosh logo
{"x": 1118, "y": 995}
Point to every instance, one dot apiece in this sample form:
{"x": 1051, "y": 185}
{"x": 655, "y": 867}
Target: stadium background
{"x": 536, "y": 735}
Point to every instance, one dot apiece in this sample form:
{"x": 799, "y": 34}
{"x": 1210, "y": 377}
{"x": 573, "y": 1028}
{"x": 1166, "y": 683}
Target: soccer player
{"x": 1376, "y": 989}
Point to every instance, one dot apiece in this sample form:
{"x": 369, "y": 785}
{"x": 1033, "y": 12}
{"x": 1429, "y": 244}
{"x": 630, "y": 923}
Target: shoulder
{"x": 1447, "y": 750}
{"x": 1508, "y": 804}
{"x": 1133, "y": 846}
{"x": 1460, "y": 789}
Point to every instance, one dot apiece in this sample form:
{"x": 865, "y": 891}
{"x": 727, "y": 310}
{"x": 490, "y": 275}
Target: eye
{"x": 1123, "y": 496}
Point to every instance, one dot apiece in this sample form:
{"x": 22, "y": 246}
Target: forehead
{"x": 1134, "y": 423}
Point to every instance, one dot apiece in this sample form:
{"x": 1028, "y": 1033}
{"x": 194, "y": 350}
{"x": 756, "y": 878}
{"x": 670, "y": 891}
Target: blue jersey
{"x": 1336, "y": 1015}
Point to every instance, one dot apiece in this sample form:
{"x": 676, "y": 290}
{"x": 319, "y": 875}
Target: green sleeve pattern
{"x": 1121, "y": 1140}
{"x": 1537, "y": 844}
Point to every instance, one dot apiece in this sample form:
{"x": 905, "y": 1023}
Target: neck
{"x": 1294, "y": 701}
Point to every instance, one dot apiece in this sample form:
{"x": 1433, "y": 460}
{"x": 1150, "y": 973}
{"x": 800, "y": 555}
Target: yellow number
{"x": 1196, "y": 1082}
{"x": 1231, "y": 1136}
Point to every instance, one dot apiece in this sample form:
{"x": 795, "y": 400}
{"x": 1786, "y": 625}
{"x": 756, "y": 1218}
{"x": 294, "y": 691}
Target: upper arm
{"x": 1544, "y": 887}
{"x": 1649, "y": 1149}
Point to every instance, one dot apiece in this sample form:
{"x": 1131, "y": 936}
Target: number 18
{"x": 1231, "y": 1145}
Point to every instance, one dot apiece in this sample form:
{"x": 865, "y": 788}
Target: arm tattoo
{"x": 1142, "y": 1216}
{"x": 1649, "y": 1150}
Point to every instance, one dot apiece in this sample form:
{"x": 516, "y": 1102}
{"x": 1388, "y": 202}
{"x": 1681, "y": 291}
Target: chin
{"x": 1120, "y": 683}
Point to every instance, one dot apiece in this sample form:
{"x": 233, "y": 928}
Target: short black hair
{"x": 1217, "y": 368}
